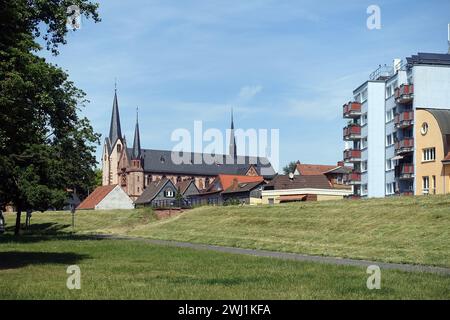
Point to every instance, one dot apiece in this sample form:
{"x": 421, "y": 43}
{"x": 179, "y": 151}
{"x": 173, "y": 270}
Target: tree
{"x": 45, "y": 147}
{"x": 290, "y": 168}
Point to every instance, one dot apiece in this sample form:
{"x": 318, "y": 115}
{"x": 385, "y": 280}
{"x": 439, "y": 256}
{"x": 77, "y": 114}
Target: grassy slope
{"x": 406, "y": 230}
{"x": 36, "y": 268}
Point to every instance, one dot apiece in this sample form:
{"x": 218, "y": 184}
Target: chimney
{"x": 235, "y": 184}
{"x": 397, "y": 65}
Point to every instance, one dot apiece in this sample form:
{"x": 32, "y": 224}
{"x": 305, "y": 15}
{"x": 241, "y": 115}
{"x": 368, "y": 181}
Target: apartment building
{"x": 398, "y": 133}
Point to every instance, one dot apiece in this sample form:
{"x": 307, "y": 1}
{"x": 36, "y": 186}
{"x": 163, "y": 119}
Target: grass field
{"x": 35, "y": 268}
{"x": 403, "y": 230}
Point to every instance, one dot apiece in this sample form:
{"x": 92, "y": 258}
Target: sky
{"x": 286, "y": 65}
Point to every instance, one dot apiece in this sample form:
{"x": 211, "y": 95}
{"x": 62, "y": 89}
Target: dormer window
{"x": 162, "y": 159}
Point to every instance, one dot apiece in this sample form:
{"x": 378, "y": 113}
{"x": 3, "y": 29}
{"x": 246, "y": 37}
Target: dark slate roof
{"x": 429, "y": 59}
{"x": 442, "y": 118}
{"x": 160, "y": 161}
{"x": 283, "y": 182}
{"x": 115, "y": 131}
{"x": 152, "y": 190}
{"x": 243, "y": 187}
{"x": 183, "y": 185}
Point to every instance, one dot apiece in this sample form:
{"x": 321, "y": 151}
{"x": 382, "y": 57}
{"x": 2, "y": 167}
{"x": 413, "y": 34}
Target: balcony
{"x": 352, "y": 155}
{"x": 352, "y": 178}
{"x": 404, "y": 119}
{"x": 404, "y": 93}
{"x": 352, "y": 132}
{"x": 404, "y": 146}
{"x": 352, "y": 110}
{"x": 405, "y": 171}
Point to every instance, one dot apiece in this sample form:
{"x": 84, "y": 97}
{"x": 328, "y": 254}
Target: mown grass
{"x": 404, "y": 230}
{"x": 31, "y": 268}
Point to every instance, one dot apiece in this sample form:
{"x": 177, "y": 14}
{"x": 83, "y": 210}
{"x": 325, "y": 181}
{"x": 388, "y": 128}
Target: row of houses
{"x": 306, "y": 183}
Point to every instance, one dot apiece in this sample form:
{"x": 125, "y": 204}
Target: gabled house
{"x": 245, "y": 192}
{"x": 335, "y": 173}
{"x": 160, "y": 193}
{"x": 187, "y": 188}
{"x": 107, "y": 198}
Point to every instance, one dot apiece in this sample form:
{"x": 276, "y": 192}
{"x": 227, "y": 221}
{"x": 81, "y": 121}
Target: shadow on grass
{"x": 49, "y": 228}
{"x": 44, "y": 232}
{"x": 18, "y": 259}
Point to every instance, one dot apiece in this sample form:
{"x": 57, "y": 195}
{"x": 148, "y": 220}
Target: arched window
{"x": 119, "y": 148}
{"x": 179, "y": 179}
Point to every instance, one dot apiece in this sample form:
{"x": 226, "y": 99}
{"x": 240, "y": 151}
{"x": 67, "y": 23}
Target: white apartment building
{"x": 385, "y": 136}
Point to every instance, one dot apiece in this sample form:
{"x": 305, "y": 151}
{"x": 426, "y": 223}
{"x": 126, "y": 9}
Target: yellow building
{"x": 432, "y": 151}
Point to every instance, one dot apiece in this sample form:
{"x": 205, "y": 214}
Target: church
{"x": 135, "y": 168}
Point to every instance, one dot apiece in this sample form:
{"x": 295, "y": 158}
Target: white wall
{"x": 116, "y": 199}
{"x": 376, "y": 130}
{"x": 431, "y": 87}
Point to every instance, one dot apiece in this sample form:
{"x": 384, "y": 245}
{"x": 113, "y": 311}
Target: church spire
{"x": 136, "y": 154}
{"x": 232, "y": 150}
{"x": 115, "y": 132}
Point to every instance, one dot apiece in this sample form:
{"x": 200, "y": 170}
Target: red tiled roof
{"x": 313, "y": 169}
{"x": 226, "y": 180}
{"x": 95, "y": 197}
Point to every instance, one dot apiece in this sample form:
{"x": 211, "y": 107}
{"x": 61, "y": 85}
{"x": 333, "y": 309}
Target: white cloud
{"x": 248, "y": 92}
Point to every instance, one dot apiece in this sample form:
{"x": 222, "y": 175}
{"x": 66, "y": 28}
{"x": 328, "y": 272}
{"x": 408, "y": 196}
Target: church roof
{"x": 162, "y": 161}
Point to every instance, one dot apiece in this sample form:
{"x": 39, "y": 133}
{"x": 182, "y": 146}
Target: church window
{"x": 119, "y": 148}
{"x": 179, "y": 179}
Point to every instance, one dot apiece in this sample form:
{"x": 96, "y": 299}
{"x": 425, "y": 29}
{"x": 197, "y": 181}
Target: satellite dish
{"x": 291, "y": 175}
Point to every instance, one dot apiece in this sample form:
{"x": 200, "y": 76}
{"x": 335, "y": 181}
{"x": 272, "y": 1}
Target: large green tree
{"x": 45, "y": 146}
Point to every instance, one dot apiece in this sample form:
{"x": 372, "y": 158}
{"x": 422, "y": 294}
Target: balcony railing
{"x": 404, "y": 146}
{"x": 352, "y": 132}
{"x": 352, "y": 178}
{"x": 405, "y": 171}
{"x": 404, "y": 93}
{"x": 352, "y": 155}
{"x": 352, "y": 110}
{"x": 404, "y": 119}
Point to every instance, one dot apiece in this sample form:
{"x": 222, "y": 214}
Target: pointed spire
{"x": 137, "y": 139}
{"x": 115, "y": 131}
{"x": 232, "y": 150}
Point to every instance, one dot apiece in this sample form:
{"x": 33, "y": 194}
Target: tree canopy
{"x": 45, "y": 146}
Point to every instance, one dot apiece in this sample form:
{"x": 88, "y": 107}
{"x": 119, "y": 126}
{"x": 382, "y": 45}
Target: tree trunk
{"x": 17, "y": 228}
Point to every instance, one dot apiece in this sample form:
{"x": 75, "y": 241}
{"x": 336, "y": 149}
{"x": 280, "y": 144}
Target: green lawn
{"x": 405, "y": 230}
{"x": 34, "y": 267}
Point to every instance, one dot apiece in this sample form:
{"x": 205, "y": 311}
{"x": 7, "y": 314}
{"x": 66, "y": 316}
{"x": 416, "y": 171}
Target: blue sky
{"x": 287, "y": 65}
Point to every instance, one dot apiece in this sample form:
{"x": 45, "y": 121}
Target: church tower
{"x": 232, "y": 148}
{"x": 113, "y": 147}
{"x": 135, "y": 172}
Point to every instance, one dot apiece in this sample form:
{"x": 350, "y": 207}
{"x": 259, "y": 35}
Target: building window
{"x": 390, "y": 115}
{"x": 364, "y": 96}
{"x": 364, "y": 166}
{"x": 434, "y": 184}
{"x": 365, "y": 190}
{"x": 429, "y": 154}
{"x": 364, "y": 119}
{"x": 424, "y": 129}
{"x": 390, "y": 188}
{"x": 363, "y": 143}
{"x": 388, "y": 92}
{"x": 390, "y": 164}
{"x": 426, "y": 185}
{"x": 169, "y": 193}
